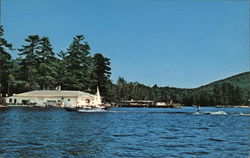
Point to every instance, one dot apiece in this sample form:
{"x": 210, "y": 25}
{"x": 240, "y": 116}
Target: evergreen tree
{"x": 16, "y": 85}
{"x": 46, "y": 65}
{"x": 121, "y": 89}
{"x": 78, "y": 63}
{"x": 101, "y": 74}
{"x": 237, "y": 96}
{"x": 61, "y": 75}
{"x": 5, "y": 63}
{"x": 29, "y": 61}
{"x": 217, "y": 94}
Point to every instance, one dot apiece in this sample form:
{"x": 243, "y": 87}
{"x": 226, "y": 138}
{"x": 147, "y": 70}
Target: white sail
{"x": 97, "y": 99}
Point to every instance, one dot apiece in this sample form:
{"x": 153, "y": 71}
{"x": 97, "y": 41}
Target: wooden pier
{"x": 147, "y": 103}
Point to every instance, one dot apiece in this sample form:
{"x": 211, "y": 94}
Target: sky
{"x": 176, "y": 43}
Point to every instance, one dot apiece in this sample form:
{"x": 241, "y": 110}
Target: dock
{"x": 147, "y": 103}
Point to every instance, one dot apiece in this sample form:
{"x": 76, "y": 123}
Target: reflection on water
{"x": 124, "y": 132}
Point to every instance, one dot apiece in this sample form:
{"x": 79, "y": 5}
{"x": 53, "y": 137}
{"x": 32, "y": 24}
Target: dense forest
{"x": 231, "y": 91}
{"x": 38, "y": 67}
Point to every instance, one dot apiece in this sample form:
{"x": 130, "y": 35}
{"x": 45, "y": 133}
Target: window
{"x": 10, "y": 100}
{"x": 25, "y": 102}
{"x": 87, "y": 101}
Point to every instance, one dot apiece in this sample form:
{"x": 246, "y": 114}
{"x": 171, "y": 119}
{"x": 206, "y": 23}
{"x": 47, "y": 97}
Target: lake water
{"x": 124, "y": 132}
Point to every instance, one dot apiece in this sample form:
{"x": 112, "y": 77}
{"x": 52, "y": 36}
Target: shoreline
{"x": 165, "y": 107}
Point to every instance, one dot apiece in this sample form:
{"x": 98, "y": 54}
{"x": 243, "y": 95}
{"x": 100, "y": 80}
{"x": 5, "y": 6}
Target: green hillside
{"x": 234, "y": 90}
{"x": 241, "y": 80}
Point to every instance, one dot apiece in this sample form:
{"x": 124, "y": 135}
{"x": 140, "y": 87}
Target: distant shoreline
{"x": 115, "y": 106}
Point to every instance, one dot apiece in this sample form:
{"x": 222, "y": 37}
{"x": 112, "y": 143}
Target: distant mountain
{"x": 234, "y": 90}
{"x": 241, "y": 80}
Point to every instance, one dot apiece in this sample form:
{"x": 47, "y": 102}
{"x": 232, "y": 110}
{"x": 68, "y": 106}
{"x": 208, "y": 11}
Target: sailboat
{"x": 97, "y": 105}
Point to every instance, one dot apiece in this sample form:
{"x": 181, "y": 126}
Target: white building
{"x": 61, "y": 98}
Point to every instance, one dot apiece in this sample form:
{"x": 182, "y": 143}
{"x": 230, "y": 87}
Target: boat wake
{"x": 217, "y": 113}
{"x": 96, "y": 110}
{"x": 242, "y": 114}
{"x": 197, "y": 113}
{"x": 92, "y": 110}
{"x": 152, "y": 112}
{"x": 211, "y": 113}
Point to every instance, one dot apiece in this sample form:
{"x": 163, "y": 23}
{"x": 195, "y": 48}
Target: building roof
{"x": 53, "y": 93}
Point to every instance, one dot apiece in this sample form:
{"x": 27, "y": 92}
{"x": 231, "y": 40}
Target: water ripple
{"x": 169, "y": 137}
{"x": 216, "y": 140}
{"x": 123, "y": 132}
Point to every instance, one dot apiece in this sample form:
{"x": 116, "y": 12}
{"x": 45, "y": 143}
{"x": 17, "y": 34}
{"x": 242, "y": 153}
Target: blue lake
{"x": 124, "y": 132}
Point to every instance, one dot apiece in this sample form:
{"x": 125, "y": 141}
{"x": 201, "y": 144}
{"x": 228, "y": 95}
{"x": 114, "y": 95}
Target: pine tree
{"x": 62, "y": 73}
{"x": 121, "y": 89}
{"x": 5, "y": 63}
{"x": 46, "y": 65}
{"x": 29, "y": 61}
{"x": 78, "y": 63}
{"x": 101, "y": 74}
{"x": 217, "y": 94}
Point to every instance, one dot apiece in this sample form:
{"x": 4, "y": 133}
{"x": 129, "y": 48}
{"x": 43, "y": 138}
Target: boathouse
{"x": 60, "y": 98}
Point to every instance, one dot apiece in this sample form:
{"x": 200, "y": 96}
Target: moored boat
{"x": 3, "y": 106}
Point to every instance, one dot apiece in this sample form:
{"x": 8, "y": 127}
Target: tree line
{"x": 38, "y": 67}
{"x": 223, "y": 93}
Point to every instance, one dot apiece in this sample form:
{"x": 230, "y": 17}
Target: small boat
{"x": 96, "y": 106}
{"x": 3, "y": 106}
